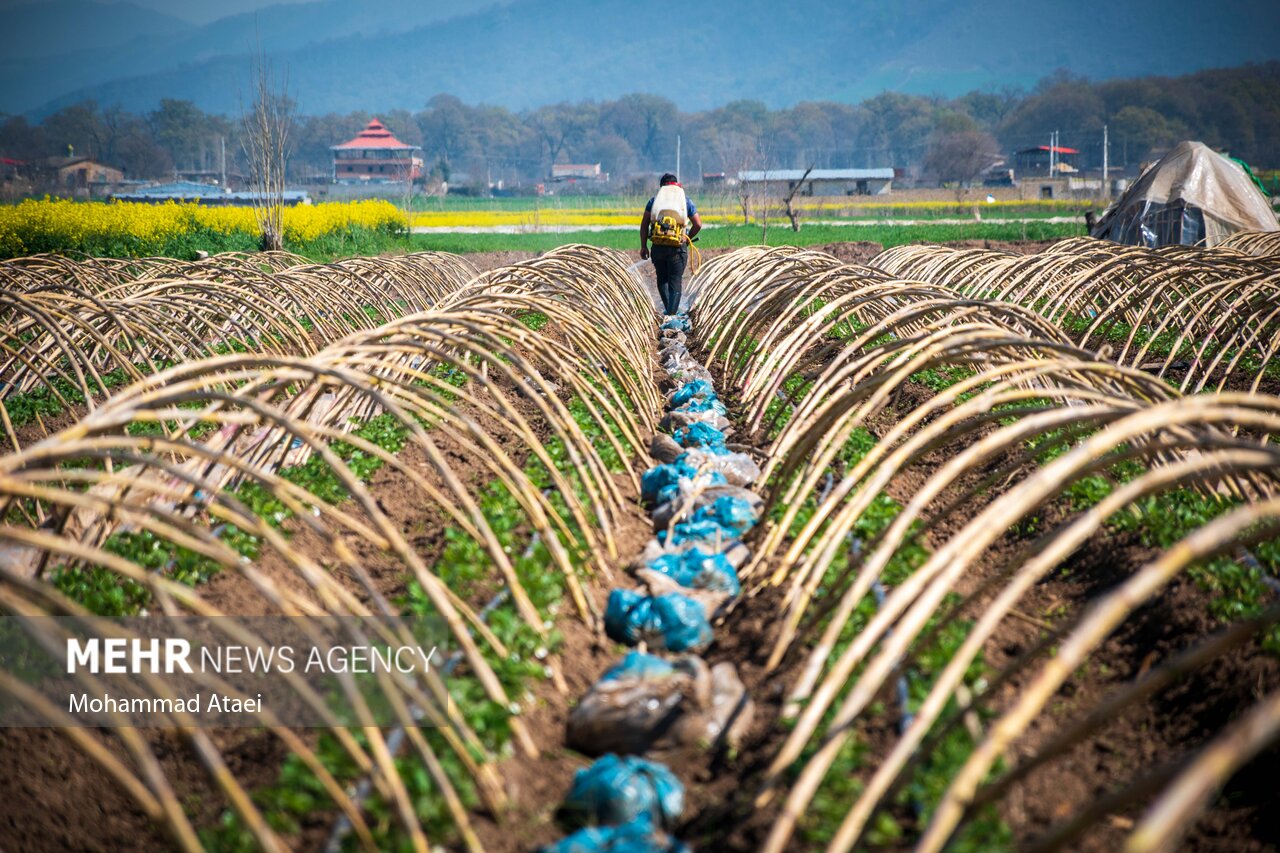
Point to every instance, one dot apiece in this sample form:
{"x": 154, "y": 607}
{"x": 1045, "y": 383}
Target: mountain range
{"x": 375, "y": 55}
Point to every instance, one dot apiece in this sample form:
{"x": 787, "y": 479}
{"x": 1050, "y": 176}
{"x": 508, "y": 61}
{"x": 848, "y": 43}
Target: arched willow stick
{"x": 857, "y": 340}
{"x": 1213, "y": 314}
{"x": 66, "y": 337}
{"x": 219, "y": 426}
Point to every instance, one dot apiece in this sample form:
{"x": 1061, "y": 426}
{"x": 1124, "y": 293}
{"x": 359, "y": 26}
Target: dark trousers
{"x": 669, "y": 263}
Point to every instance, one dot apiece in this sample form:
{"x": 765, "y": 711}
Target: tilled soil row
{"x": 661, "y": 719}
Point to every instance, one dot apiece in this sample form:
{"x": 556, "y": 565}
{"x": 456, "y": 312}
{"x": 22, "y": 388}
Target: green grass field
{"x": 734, "y": 236}
{"x": 854, "y": 207}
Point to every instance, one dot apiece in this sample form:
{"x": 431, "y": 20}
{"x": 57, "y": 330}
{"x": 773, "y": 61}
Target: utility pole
{"x": 1106, "y": 185}
{"x": 223, "y": 142}
{"x": 677, "y": 158}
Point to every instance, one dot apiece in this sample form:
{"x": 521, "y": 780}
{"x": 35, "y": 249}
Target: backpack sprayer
{"x": 668, "y": 220}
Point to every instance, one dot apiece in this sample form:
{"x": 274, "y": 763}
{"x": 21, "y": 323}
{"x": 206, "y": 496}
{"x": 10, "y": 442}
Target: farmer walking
{"x": 670, "y": 222}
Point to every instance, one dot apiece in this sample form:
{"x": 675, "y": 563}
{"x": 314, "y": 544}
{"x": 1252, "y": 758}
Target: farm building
{"x": 11, "y": 168}
{"x": 82, "y": 173}
{"x": 715, "y": 180}
{"x": 821, "y": 182}
{"x": 1035, "y": 161}
{"x": 375, "y": 156}
{"x": 578, "y": 172}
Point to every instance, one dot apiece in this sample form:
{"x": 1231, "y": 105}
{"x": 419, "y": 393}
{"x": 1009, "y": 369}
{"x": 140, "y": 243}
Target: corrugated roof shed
{"x": 817, "y": 175}
{"x": 180, "y": 189}
{"x": 192, "y": 191}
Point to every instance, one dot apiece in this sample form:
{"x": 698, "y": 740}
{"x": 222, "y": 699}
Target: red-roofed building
{"x": 1037, "y": 159}
{"x": 377, "y": 157}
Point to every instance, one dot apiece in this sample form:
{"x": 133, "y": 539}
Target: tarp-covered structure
{"x": 1193, "y": 195}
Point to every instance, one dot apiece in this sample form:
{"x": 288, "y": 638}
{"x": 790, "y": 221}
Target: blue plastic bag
{"x": 697, "y": 569}
{"x": 671, "y": 492}
{"x": 704, "y": 404}
{"x": 638, "y": 665}
{"x": 705, "y": 530}
{"x": 732, "y": 513}
{"x": 697, "y": 389}
{"x": 617, "y": 790}
{"x": 638, "y": 836}
{"x": 700, "y": 435}
{"x": 679, "y": 323}
{"x": 670, "y": 622}
{"x": 660, "y": 477}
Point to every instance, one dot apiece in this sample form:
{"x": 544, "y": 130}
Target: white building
{"x": 821, "y": 182}
{"x": 572, "y": 172}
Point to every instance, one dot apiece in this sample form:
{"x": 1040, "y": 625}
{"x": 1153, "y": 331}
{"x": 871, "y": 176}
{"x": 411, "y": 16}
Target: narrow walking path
{"x": 663, "y": 699}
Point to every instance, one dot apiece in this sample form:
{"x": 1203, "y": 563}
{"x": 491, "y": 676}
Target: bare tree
{"x": 738, "y": 152}
{"x": 958, "y": 159}
{"x": 792, "y": 213}
{"x": 266, "y": 141}
{"x": 408, "y": 201}
{"x": 744, "y": 200}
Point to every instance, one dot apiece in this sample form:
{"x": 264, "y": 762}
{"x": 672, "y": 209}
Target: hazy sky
{"x": 196, "y": 11}
{"x": 204, "y": 11}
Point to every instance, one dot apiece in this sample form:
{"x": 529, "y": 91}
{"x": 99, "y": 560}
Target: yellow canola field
{"x": 713, "y": 212}
{"x": 63, "y": 225}
{"x": 490, "y": 218}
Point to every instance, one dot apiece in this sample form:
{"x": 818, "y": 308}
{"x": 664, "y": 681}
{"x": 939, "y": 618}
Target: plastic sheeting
{"x": 645, "y": 703}
{"x": 631, "y": 709}
{"x": 739, "y": 469}
{"x": 710, "y": 413}
{"x": 1192, "y": 196}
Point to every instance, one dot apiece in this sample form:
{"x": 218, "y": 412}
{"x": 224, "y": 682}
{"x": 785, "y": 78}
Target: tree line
{"x": 1236, "y": 109}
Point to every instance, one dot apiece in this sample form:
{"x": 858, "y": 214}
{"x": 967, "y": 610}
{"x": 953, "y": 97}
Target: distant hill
{"x": 60, "y": 27}
{"x": 345, "y": 55}
{"x": 183, "y": 61}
